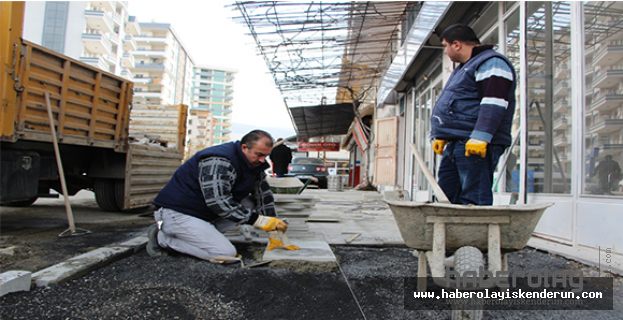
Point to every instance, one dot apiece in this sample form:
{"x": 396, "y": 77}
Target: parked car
{"x": 309, "y": 168}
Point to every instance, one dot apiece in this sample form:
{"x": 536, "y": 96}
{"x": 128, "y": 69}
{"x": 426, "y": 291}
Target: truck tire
{"x": 467, "y": 259}
{"x": 23, "y": 203}
{"x": 107, "y": 194}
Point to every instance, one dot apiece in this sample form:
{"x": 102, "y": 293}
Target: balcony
{"x": 607, "y": 126}
{"x": 106, "y": 5}
{"x": 561, "y": 123}
{"x": 608, "y": 78}
{"x": 561, "y": 141}
{"x": 97, "y": 43}
{"x": 149, "y": 53}
{"x": 147, "y": 94}
{"x": 127, "y": 60}
{"x": 162, "y": 40}
{"x": 142, "y": 80}
{"x": 562, "y": 106}
{"x": 561, "y": 89}
{"x": 129, "y": 44}
{"x": 606, "y": 102}
{"x": 97, "y": 62}
{"x": 126, "y": 73}
{"x": 132, "y": 27}
{"x": 149, "y": 66}
{"x": 612, "y": 146}
{"x": 608, "y": 55}
{"x": 99, "y": 20}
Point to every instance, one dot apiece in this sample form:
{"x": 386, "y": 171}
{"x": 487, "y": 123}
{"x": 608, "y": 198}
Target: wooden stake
{"x": 59, "y": 164}
{"x": 441, "y": 196}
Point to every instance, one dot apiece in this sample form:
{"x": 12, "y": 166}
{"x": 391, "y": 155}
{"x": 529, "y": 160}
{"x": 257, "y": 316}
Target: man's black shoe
{"x": 153, "y": 248}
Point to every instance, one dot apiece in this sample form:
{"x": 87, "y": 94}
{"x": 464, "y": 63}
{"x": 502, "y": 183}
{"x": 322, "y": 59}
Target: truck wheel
{"x": 467, "y": 259}
{"x": 23, "y": 203}
{"x": 107, "y": 194}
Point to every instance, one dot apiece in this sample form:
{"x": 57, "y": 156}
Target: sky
{"x": 212, "y": 38}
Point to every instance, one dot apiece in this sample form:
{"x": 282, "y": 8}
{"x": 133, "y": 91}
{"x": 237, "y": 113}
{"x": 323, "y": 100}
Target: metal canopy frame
{"x": 326, "y": 52}
{"x": 322, "y": 120}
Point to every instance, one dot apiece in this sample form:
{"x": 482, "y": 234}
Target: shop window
{"x": 603, "y": 108}
{"x": 548, "y": 95}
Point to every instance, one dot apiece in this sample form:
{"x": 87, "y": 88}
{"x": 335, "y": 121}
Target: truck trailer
{"x": 91, "y": 112}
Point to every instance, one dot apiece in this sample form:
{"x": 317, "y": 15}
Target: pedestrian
{"x": 472, "y": 117}
{"x": 217, "y": 189}
{"x": 281, "y": 156}
{"x": 609, "y": 173}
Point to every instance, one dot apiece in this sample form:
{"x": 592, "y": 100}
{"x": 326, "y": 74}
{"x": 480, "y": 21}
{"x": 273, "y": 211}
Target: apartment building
{"x": 212, "y": 91}
{"x": 99, "y": 33}
{"x": 163, "y": 68}
{"x": 199, "y": 131}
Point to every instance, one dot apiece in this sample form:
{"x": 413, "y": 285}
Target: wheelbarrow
{"x": 436, "y": 229}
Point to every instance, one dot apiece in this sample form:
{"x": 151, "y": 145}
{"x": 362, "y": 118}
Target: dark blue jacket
{"x": 183, "y": 192}
{"x": 456, "y": 111}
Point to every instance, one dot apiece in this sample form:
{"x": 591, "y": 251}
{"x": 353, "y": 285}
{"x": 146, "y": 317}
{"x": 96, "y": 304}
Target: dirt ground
{"x": 181, "y": 287}
{"x": 29, "y": 236}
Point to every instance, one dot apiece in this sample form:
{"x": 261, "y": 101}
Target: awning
{"x": 322, "y": 120}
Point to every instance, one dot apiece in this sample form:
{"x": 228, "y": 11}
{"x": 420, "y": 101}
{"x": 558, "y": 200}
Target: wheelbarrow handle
{"x": 441, "y": 196}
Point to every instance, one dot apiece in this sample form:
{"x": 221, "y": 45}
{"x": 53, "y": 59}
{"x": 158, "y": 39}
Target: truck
{"x": 91, "y": 112}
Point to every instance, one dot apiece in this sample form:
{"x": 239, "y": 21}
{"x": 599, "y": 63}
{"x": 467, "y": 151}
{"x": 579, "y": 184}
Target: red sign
{"x": 318, "y": 146}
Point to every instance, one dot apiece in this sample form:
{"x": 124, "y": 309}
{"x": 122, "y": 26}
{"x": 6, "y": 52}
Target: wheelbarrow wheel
{"x": 467, "y": 259}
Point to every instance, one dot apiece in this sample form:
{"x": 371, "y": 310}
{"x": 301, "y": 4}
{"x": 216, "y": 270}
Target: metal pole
{"x": 548, "y": 64}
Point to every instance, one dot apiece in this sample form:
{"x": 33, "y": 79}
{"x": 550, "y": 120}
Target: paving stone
{"x": 14, "y": 281}
{"x": 312, "y": 250}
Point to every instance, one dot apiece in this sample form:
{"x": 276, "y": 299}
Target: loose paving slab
{"x": 312, "y": 250}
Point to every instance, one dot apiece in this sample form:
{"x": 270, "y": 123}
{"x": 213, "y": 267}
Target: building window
{"x": 603, "y": 108}
{"x": 55, "y": 25}
{"x": 549, "y": 95}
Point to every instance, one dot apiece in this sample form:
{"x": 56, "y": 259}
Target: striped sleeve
{"x": 494, "y": 79}
{"x": 216, "y": 178}
{"x": 264, "y": 198}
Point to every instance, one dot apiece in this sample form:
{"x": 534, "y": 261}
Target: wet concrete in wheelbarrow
{"x": 181, "y": 287}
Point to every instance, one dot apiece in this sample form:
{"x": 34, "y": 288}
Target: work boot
{"x": 153, "y": 248}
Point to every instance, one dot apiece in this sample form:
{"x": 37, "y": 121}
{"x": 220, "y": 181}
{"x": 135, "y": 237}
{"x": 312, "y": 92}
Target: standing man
{"x": 473, "y": 116}
{"x": 281, "y": 156}
{"x": 608, "y": 172}
{"x": 216, "y": 189}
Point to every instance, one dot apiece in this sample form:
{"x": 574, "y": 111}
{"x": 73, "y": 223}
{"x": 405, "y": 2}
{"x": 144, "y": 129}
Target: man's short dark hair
{"x": 252, "y": 137}
{"x": 460, "y": 32}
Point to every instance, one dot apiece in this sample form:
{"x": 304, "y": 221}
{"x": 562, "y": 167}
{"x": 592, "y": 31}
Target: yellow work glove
{"x": 270, "y": 224}
{"x": 278, "y": 240}
{"x": 476, "y": 147}
{"x": 438, "y": 146}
